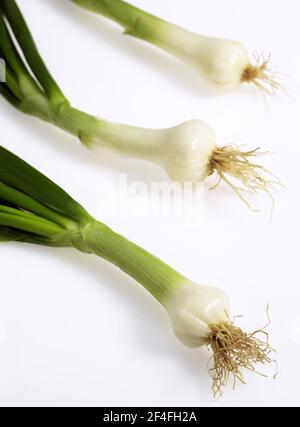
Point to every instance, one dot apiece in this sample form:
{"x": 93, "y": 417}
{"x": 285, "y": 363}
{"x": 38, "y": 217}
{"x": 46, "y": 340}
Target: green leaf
{"x": 27, "y": 222}
{"x": 19, "y": 175}
{"x": 12, "y": 85}
{"x": 9, "y": 51}
{"x": 18, "y": 78}
{"x": 6, "y": 203}
{"x": 30, "y": 51}
{"x": 9, "y": 96}
{"x": 7, "y": 235}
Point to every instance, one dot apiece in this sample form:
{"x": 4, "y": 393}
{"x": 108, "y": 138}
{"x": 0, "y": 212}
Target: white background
{"x": 75, "y": 330}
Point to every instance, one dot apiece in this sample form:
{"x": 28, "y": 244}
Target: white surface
{"x": 74, "y": 330}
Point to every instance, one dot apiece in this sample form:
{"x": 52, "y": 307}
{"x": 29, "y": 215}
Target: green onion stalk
{"x": 222, "y": 64}
{"x": 35, "y": 210}
{"x": 187, "y": 152}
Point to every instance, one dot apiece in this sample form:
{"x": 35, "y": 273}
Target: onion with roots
{"x": 221, "y": 63}
{"x": 35, "y": 210}
{"x": 187, "y": 152}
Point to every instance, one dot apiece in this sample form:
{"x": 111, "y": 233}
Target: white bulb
{"x": 193, "y": 308}
{"x": 220, "y": 62}
{"x": 183, "y": 151}
{"x": 186, "y": 151}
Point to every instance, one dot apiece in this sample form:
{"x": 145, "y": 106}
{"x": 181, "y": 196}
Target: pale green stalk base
{"x": 145, "y": 26}
{"x": 93, "y": 132}
{"x": 33, "y": 209}
{"x": 153, "y": 274}
{"x": 135, "y": 21}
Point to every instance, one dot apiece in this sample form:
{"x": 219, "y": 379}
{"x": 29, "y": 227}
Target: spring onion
{"x": 187, "y": 152}
{"x": 35, "y": 210}
{"x": 223, "y": 64}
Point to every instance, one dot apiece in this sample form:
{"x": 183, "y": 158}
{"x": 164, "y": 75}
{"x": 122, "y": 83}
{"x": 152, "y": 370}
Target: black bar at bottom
{"x": 100, "y": 416}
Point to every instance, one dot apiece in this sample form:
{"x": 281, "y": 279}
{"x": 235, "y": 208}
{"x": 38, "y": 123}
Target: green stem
{"x": 131, "y": 141}
{"x": 28, "y": 87}
{"x": 86, "y": 235}
{"x": 27, "y": 203}
{"x": 171, "y": 38}
{"x": 82, "y": 125}
{"x": 22, "y": 214}
{"x": 135, "y": 21}
{"x": 29, "y": 224}
{"x": 9, "y": 96}
{"x": 13, "y": 86}
{"x": 128, "y": 140}
{"x": 9, "y": 51}
{"x": 20, "y": 82}
{"x": 27, "y": 44}
{"x": 157, "y": 277}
